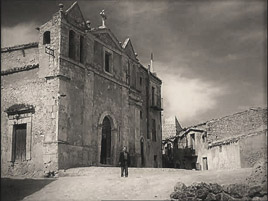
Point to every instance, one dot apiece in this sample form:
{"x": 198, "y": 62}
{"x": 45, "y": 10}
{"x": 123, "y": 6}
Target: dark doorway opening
{"x": 20, "y": 142}
{"x": 155, "y": 161}
{"x": 205, "y": 163}
{"x": 142, "y": 152}
{"x": 106, "y": 142}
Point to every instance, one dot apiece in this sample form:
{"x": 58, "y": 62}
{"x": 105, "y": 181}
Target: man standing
{"x": 124, "y": 161}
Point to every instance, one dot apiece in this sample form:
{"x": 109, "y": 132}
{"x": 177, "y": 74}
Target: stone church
{"x": 75, "y": 98}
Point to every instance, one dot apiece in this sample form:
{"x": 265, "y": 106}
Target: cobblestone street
{"x": 104, "y": 183}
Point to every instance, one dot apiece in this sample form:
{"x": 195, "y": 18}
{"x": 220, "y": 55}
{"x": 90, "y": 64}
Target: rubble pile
{"x": 259, "y": 174}
{"x": 215, "y": 192}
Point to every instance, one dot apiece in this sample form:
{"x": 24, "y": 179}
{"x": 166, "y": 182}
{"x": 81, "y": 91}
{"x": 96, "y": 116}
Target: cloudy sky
{"x": 210, "y": 54}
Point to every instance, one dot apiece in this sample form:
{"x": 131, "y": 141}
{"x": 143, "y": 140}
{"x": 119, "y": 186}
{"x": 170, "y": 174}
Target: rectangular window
{"x": 128, "y": 73}
{"x": 140, "y": 114}
{"x": 153, "y": 92}
{"x": 107, "y": 64}
{"x": 19, "y": 142}
{"x": 204, "y": 138}
{"x": 81, "y": 49}
{"x": 192, "y": 141}
{"x": 153, "y": 130}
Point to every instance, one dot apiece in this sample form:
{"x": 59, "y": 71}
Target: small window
{"x": 46, "y": 38}
{"x": 140, "y": 114}
{"x": 108, "y": 63}
{"x": 72, "y": 44}
{"x": 153, "y": 96}
{"x": 81, "y": 49}
{"x": 204, "y": 138}
{"x": 192, "y": 140}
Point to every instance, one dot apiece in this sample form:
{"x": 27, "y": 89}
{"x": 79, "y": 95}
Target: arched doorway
{"x": 142, "y": 152}
{"x": 105, "y": 157}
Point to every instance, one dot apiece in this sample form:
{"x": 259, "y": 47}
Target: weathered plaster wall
{"x": 226, "y": 157}
{"x": 25, "y": 88}
{"x": 37, "y": 87}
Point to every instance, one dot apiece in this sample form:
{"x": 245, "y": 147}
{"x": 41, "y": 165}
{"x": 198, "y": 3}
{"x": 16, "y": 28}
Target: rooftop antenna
{"x": 152, "y": 59}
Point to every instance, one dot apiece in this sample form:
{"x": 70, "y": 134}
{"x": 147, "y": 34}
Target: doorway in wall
{"x": 142, "y": 152}
{"x": 106, "y": 142}
{"x": 205, "y": 163}
{"x": 20, "y": 142}
{"x": 155, "y": 161}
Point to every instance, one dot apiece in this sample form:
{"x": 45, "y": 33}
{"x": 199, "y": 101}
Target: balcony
{"x": 156, "y": 103}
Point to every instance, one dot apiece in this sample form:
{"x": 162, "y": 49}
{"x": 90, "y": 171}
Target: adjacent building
{"x": 75, "y": 98}
{"x": 234, "y": 141}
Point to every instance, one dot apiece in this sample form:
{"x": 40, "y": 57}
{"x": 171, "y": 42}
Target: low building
{"x": 171, "y": 128}
{"x": 234, "y": 141}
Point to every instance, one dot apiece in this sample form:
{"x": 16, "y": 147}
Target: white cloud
{"x": 188, "y": 98}
{"x": 19, "y": 34}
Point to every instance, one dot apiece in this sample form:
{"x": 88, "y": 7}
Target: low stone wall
{"x": 215, "y": 192}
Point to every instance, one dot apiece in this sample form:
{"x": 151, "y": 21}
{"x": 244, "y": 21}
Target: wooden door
{"x": 20, "y": 142}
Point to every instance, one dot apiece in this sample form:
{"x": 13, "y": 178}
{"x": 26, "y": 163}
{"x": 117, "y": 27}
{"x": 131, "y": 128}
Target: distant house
{"x": 235, "y": 141}
{"x": 171, "y": 128}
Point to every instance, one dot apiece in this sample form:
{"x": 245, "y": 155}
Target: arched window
{"x": 71, "y": 44}
{"x": 46, "y": 38}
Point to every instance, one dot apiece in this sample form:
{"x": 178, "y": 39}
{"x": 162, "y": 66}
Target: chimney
{"x": 88, "y": 23}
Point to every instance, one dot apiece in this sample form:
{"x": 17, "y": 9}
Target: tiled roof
{"x": 19, "y": 69}
{"x": 19, "y": 47}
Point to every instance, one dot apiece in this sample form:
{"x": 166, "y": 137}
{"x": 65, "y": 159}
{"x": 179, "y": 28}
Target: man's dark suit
{"x": 124, "y": 163}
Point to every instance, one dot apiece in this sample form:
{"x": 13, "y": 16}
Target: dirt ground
{"x": 105, "y": 183}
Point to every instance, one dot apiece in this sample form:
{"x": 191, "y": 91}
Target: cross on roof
{"x": 104, "y": 17}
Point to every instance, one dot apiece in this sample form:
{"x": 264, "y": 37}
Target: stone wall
{"x": 171, "y": 127}
{"x": 25, "y": 88}
{"x": 19, "y": 56}
{"x": 240, "y": 123}
{"x": 253, "y": 148}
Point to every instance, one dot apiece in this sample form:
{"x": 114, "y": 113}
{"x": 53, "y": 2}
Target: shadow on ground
{"x": 17, "y": 189}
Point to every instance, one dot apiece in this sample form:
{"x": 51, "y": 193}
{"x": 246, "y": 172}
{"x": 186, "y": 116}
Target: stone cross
{"x": 104, "y": 17}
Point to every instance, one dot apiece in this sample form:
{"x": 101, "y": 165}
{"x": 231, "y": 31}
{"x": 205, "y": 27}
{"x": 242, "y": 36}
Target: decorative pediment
{"x": 75, "y": 17}
{"x": 106, "y": 36}
{"x": 20, "y": 109}
{"x": 128, "y": 47}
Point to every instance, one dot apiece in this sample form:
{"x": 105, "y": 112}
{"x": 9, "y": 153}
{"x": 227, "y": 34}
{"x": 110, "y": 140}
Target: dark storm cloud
{"x": 212, "y": 51}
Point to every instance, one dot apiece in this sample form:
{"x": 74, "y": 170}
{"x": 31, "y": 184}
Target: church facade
{"x": 75, "y": 98}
